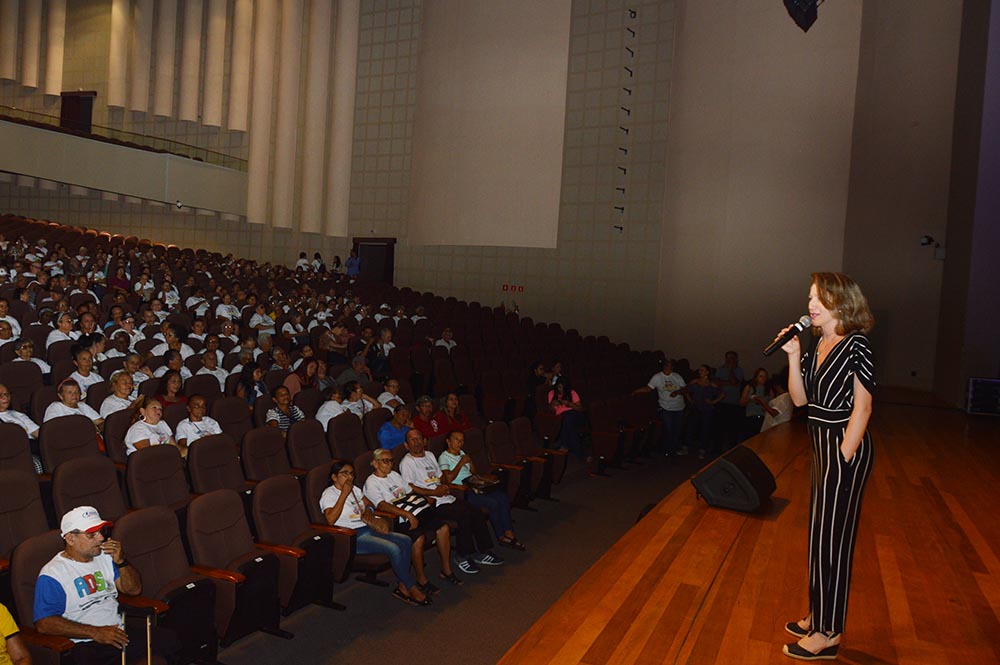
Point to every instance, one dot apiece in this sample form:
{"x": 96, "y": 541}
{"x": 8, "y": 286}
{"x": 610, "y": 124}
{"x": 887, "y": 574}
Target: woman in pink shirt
{"x": 565, "y": 403}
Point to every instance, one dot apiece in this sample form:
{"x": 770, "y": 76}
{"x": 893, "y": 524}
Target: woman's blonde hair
{"x": 842, "y": 296}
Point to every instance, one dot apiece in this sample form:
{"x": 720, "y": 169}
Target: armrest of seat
{"x": 458, "y": 491}
{"x": 4, "y": 565}
{"x": 45, "y": 478}
{"x": 143, "y": 603}
{"x": 295, "y": 471}
{"x": 557, "y": 452}
{"x": 284, "y": 550}
{"x": 508, "y": 467}
{"x": 334, "y": 530}
{"x": 230, "y": 576}
{"x": 537, "y": 460}
{"x": 55, "y": 643}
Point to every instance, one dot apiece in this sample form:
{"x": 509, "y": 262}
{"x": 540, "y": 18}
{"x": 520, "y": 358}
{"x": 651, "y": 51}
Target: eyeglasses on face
{"x": 383, "y": 459}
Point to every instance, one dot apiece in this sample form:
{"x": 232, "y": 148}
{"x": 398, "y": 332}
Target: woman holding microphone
{"x": 836, "y": 378}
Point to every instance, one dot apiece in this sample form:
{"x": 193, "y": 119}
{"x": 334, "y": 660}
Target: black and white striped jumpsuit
{"x": 837, "y": 486}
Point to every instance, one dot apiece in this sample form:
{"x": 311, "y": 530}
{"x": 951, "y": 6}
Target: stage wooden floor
{"x": 699, "y": 585}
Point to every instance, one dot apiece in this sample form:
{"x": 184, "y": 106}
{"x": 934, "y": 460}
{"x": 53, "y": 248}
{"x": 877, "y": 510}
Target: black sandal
{"x": 396, "y": 593}
{"x": 450, "y": 577}
{"x": 793, "y": 628}
{"x": 512, "y": 543}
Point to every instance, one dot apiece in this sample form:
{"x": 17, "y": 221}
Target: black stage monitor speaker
{"x": 738, "y": 480}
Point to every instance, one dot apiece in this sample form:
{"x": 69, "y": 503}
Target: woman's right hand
{"x": 412, "y": 519}
{"x": 792, "y": 346}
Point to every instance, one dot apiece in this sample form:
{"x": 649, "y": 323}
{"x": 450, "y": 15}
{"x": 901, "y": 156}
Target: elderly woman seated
{"x": 150, "y": 429}
{"x": 69, "y": 404}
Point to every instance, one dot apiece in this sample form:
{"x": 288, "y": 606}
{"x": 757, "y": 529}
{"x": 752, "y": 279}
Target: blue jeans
{"x": 498, "y": 505}
{"x": 396, "y": 546}
{"x": 671, "y": 429}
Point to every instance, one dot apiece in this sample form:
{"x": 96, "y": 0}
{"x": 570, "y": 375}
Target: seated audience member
{"x": 251, "y": 384}
{"x": 199, "y": 330}
{"x": 359, "y": 372}
{"x": 364, "y": 344}
{"x": 356, "y": 401}
{"x": 127, "y": 326}
{"x": 15, "y": 325}
{"x": 334, "y": 343}
{"x": 345, "y": 505}
{"x": 197, "y": 302}
{"x": 390, "y": 399}
{"x": 229, "y": 332}
{"x": 150, "y": 430}
{"x": 121, "y": 396}
{"x": 261, "y": 321}
{"x": 780, "y": 408}
{"x": 96, "y": 344}
{"x": 280, "y": 359}
{"x": 64, "y": 330}
{"x": 294, "y": 331}
{"x": 284, "y": 414}
{"x": 212, "y": 346}
{"x": 172, "y": 341}
{"x": 446, "y": 340}
{"x": 226, "y": 309}
{"x": 6, "y": 333}
{"x": 210, "y": 366}
{"x": 451, "y": 418}
{"x": 419, "y": 314}
{"x": 171, "y": 391}
{"x": 393, "y": 432}
{"x": 756, "y": 394}
{"x": 415, "y": 517}
{"x": 173, "y": 362}
{"x": 704, "y": 395}
{"x": 84, "y": 374}
{"x": 385, "y": 345}
{"x": 69, "y": 404}
{"x": 246, "y": 356}
{"x": 139, "y": 371}
{"x": 457, "y": 467}
{"x": 23, "y": 348}
{"x": 323, "y": 379}
{"x": 9, "y": 415}
{"x": 423, "y": 419}
{"x": 197, "y": 425}
{"x": 76, "y": 595}
{"x": 421, "y": 470}
{"x": 565, "y": 403}
{"x": 303, "y": 378}
{"x": 13, "y": 650}
{"x": 305, "y": 354}
{"x": 331, "y": 407}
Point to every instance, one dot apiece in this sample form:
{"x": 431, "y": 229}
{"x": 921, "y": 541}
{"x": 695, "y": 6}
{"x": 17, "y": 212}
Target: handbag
{"x": 482, "y": 483}
{"x": 412, "y": 503}
{"x": 380, "y": 524}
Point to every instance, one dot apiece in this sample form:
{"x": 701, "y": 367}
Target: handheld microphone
{"x": 802, "y": 324}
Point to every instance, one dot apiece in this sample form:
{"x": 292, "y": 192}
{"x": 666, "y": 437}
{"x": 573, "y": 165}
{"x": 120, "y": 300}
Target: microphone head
{"x": 805, "y": 321}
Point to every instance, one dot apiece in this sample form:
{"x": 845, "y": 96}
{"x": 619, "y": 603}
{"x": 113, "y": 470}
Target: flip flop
{"x": 512, "y": 543}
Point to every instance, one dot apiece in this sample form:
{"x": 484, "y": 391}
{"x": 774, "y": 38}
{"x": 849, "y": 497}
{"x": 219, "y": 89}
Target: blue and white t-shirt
{"x": 83, "y": 592}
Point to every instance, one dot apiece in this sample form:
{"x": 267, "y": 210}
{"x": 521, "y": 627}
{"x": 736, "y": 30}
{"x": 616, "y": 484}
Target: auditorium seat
{"x": 345, "y": 438}
{"x": 65, "y": 438}
{"x": 306, "y": 444}
{"x": 305, "y": 553}
{"x": 15, "y": 449}
{"x": 371, "y": 424}
{"x": 88, "y": 481}
{"x": 155, "y": 477}
{"x": 264, "y": 455}
{"x": 153, "y": 541}
{"x": 245, "y": 576}
{"x": 233, "y": 416}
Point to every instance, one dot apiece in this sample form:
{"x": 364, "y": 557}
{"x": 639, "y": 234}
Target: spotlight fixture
{"x": 803, "y": 12}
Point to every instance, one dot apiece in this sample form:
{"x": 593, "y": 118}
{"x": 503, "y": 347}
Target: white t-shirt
{"x": 387, "y": 397}
{"x": 390, "y": 489}
{"x": 60, "y": 336}
{"x": 83, "y": 592}
{"x": 157, "y": 434}
{"x": 18, "y": 418}
{"x": 784, "y": 406}
{"x": 664, "y": 384}
{"x": 163, "y": 369}
{"x": 262, "y": 319}
{"x": 354, "y": 506}
{"x": 424, "y": 472}
{"x": 86, "y": 381}
{"x": 219, "y": 373}
{"x": 114, "y": 404}
{"x": 160, "y": 349}
{"x": 15, "y": 326}
{"x": 224, "y": 311}
{"x": 328, "y": 410}
{"x": 58, "y": 409}
{"x": 190, "y": 431}
{"x": 446, "y": 343}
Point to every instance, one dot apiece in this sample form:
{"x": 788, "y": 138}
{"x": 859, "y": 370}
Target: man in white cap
{"x": 76, "y": 595}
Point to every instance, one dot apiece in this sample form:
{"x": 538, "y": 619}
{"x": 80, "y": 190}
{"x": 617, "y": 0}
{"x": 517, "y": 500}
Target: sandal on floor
{"x": 795, "y": 629}
{"x": 512, "y": 543}
{"x": 793, "y": 650}
{"x": 450, "y": 577}
{"x": 396, "y": 593}
{"x": 429, "y": 589}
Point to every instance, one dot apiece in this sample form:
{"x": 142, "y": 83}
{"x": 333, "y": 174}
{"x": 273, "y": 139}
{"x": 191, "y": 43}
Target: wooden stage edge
{"x": 693, "y": 584}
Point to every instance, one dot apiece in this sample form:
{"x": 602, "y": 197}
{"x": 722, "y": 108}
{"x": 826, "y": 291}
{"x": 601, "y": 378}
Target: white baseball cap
{"x": 85, "y": 519}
